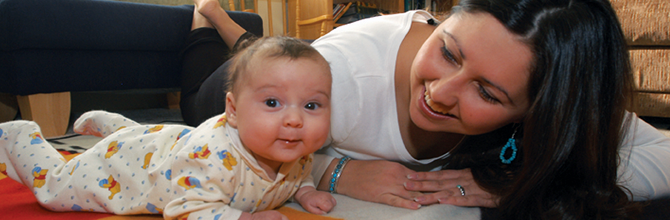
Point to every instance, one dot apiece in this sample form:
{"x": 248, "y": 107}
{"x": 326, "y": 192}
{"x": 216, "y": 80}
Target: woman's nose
{"x": 446, "y": 90}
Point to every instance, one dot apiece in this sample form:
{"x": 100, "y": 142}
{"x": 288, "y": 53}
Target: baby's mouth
{"x": 434, "y": 106}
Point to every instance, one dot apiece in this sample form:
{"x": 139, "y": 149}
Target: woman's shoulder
{"x": 375, "y": 29}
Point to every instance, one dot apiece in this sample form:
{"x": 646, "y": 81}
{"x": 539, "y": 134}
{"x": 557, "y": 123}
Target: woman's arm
{"x": 645, "y": 165}
{"x": 373, "y": 180}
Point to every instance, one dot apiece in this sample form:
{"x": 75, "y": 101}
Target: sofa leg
{"x": 173, "y": 100}
{"x": 51, "y": 111}
{"x": 8, "y": 107}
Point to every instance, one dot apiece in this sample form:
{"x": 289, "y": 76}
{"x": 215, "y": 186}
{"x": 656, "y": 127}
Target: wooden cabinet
{"x": 309, "y": 9}
{"x": 318, "y": 9}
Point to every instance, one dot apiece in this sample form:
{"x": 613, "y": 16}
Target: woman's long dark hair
{"x": 578, "y": 89}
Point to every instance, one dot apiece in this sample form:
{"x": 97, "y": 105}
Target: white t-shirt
{"x": 362, "y": 56}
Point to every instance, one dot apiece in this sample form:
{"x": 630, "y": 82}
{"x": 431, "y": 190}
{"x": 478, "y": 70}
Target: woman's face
{"x": 470, "y": 76}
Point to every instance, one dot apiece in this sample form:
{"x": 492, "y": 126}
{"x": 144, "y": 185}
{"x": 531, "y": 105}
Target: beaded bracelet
{"x": 335, "y": 176}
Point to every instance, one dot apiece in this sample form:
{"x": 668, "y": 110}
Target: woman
{"x": 539, "y": 88}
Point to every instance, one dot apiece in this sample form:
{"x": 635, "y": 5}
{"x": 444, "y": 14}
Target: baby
{"x": 238, "y": 165}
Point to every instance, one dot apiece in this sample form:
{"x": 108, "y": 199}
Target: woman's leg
{"x": 207, "y": 48}
{"x": 208, "y": 13}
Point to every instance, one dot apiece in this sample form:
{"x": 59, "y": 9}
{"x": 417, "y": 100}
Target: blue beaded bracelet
{"x": 335, "y": 176}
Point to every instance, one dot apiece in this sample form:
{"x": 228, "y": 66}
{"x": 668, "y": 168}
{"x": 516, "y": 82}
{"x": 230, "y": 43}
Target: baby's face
{"x": 283, "y": 108}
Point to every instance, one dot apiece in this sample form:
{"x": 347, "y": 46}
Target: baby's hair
{"x": 268, "y": 48}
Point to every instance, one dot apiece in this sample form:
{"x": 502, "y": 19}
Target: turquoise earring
{"x": 511, "y": 144}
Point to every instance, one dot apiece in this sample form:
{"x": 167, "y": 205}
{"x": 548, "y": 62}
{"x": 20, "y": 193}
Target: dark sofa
{"x": 49, "y": 48}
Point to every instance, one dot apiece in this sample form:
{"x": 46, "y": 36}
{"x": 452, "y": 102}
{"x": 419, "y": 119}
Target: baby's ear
{"x": 231, "y": 113}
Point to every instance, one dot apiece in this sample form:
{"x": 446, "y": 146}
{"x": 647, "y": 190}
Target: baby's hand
{"x": 269, "y": 214}
{"x": 317, "y": 202}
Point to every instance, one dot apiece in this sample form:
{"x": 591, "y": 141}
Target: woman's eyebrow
{"x": 499, "y": 88}
{"x": 460, "y": 52}
{"x": 483, "y": 79}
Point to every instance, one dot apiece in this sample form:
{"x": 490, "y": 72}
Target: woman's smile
{"x": 433, "y": 109}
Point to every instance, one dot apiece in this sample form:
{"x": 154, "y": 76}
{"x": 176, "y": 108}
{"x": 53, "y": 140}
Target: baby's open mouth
{"x": 434, "y": 106}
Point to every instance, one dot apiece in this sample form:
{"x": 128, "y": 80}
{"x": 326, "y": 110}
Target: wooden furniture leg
{"x": 173, "y": 99}
{"x": 51, "y": 111}
{"x": 8, "y": 107}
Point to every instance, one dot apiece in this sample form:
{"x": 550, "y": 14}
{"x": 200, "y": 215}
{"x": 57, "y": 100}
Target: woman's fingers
{"x": 456, "y": 187}
{"x": 397, "y": 201}
{"x": 438, "y": 180}
{"x": 473, "y": 201}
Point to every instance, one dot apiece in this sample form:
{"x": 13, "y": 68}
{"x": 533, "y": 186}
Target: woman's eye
{"x": 312, "y": 106}
{"x": 271, "y": 103}
{"x": 486, "y": 95}
{"x": 448, "y": 55}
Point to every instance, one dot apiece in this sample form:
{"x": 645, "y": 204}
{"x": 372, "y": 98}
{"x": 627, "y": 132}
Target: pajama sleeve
{"x": 203, "y": 186}
{"x": 645, "y": 161}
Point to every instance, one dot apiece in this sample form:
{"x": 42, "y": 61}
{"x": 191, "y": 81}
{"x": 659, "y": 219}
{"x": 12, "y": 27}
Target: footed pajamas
{"x": 176, "y": 170}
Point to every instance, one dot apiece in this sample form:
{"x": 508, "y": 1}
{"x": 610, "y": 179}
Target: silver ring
{"x": 461, "y": 189}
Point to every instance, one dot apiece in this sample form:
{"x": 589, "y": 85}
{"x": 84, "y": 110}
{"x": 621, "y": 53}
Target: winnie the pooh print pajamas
{"x": 177, "y": 170}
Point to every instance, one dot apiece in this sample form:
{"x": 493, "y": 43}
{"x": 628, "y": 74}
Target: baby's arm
{"x": 312, "y": 200}
{"x": 201, "y": 187}
{"x": 205, "y": 180}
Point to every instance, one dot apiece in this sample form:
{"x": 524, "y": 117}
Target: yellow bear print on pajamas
{"x": 228, "y": 160}
{"x": 156, "y": 128}
{"x": 111, "y": 185}
{"x": 147, "y": 159}
{"x": 220, "y": 122}
{"x": 189, "y": 182}
{"x": 113, "y": 148}
{"x": 3, "y": 168}
{"x": 36, "y": 138}
{"x": 39, "y": 175}
{"x": 75, "y": 167}
{"x": 200, "y": 153}
{"x": 181, "y": 134}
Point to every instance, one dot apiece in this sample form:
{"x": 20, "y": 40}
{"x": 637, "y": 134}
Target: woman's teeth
{"x": 433, "y": 106}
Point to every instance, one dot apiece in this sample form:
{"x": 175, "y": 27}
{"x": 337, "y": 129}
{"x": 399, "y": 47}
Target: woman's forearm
{"x": 324, "y": 181}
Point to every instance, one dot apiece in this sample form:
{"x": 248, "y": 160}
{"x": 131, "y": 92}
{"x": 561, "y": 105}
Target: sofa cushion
{"x": 49, "y": 46}
{"x": 651, "y": 69}
{"x": 645, "y": 22}
{"x": 92, "y": 25}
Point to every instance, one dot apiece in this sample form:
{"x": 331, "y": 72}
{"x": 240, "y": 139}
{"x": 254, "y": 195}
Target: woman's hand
{"x": 444, "y": 185}
{"x": 378, "y": 181}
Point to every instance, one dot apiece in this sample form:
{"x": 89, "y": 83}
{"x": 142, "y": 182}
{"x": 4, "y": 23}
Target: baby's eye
{"x": 271, "y": 103}
{"x": 312, "y": 106}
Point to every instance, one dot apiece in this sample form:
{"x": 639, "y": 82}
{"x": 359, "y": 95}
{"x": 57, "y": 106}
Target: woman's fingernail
{"x": 419, "y": 206}
{"x": 411, "y": 176}
{"x": 408, "y": 185}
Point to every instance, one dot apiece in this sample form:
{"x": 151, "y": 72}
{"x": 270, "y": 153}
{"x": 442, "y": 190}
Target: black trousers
{"x": 204, "y": 74}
